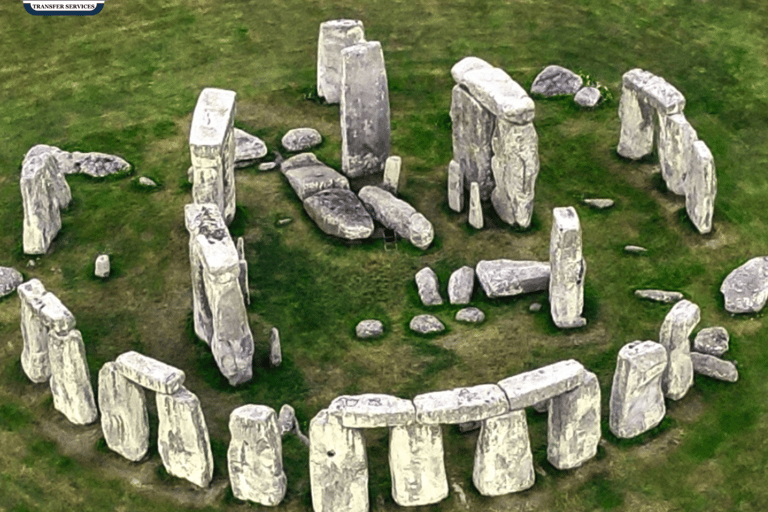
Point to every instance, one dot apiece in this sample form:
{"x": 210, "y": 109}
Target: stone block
{"x": 150, "y": 373}
{"x": 372, "y": 411}
{"x": 526, "y": 389}
{"x": 461, "y": 405}
{"x": 124, "y": 420}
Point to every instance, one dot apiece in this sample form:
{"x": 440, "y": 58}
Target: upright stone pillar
{"x": 674, "y": 336}
{"x": 503, "y": 460}
{"x": 475, "y": 207}
{"x": 417, "y": 465}
{"x": 391, "y": 180}
{"x": 123, "y": 406}
{"x": 43, "y": 192}
{"x": 636, "y": 139}
{"x": 335, "y": 35}
{"x": 701, "y": 187}
{"x": 515, "y": 165}
{"x": 70, "y": 378}
{"x": 455, "y": 186}
{"x": 675, "y": 147}
{"x": 34, "y": 353}
{"x": 365, "y": 125}
{"x": 566, "y": 281}
{"x": 472, "y": 130}
{"x": 243, "y": 277}
{"x": 573, "y": 431}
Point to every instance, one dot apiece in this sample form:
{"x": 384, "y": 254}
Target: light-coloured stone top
{"x": 460, "y": 405}
{"x": 250, "y": 413}
{"x": 529, "y": 388}
{"x": 465, "y": 65}
{"x": 214, "y": 114}
{"x": 361, "y": 50}
{"x": 150, "y": 373}
{"x": 566, "y": 219}
{"x": 372, "y": 410}
{"x": 497, "y": 92}
{"x": 55, "y": 314}
{"x": 341, "y": 24}
{"x": 661, "y": 94}
{"x": 31, "y": 292}
{"x": 300, "y": 160}
{"x": 219, "y": 254}
{"x": 644, "y": 356}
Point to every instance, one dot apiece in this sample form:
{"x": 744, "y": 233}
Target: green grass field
{"x": 126, "y": 81}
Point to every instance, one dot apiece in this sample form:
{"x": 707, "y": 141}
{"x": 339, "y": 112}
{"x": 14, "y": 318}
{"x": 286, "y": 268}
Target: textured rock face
{"x": 636, "y": 139}
{"x": 416, "y": 464}
{"x": 212, "y": 148}
{"x": 573, "y": 431}
{"x": 243, "y": 263}
{"x": 515, "y": 166}
{"x": 55, "y": 315}
{"x": 666, "y": 297}
{"x": 338, "y": 466}
{"x": 248, "y": 148}
{"x": 472, "y": 315}
{"x": 712, "y": 340}
{"x": 465, "y": 65}
{"x": 396, "y": 214}
{"x": 369, "y": 329}
{"x": 745, "y": 289}
{"x": 554, "y": 80}
{"x": 255, "y": 455}
{"x": 588, "y": 97}
{"x": 637, "y": 401}
{"x": 529, "y": 388}
{"x": 93, "y": 164}
{"x": 503, "y": 460}
{"x": 182, "y": 437}
{"x": 461, "y": 405}
{"x": 275, "y": 349}
{"x": 600, "y": 204}
{"x": 70, "y": 380}
{"x": 566, "y": 282}
{"x": 460, "y": 285}
{"x": 392, "y": 174}
{"x": 701, "y": 188}
{"x": 43, "y": 192}
{"x": 364, "y": 110}
{"x": 102, "y": 266}
{"x": 496, "y": 91}
{"x": 335, "y": 35}
{"x": 674, "y": 336}
{"x": 308, "y": 180}
{"x": 504, "y": 278}
{"x": 339, "y": 213}
{"x": 475, "y": 207}
{"x": 10, "y": 279}
{"x": 428, "y": 286}
{"x": 659, "y": 93}
{"x": 58, "y": 188}
{"x": 426, "y": 324}
{"x": 455, "y": 187}
{"x": 124, "y": 420}
{"x": 675, "y": 147}
{"x": 472, "y": 129}
{"x": 372, "y": 411}
{"x": 300, "y": 139}
{"x": 150, "y": 373}
{"x": 34, "y": 353}
{"x": 714, "y": 367}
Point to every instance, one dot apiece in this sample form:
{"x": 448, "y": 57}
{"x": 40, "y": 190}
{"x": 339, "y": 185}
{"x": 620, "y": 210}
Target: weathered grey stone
{"x": 600, "y": 204}
{"x": 745, "y": 289}
{"x": 637, "y": 401}
{"x": 504, "y": 278}
{"x": 461, "y": 405}
{"x": 713, "y": 366}
{"x": 515, "y": 165}
{"x": 212, "y": 148}
{"x": 43, "y": 192}
{"x": 300, "y": 160}
{"x": 391, "y": 179}
{"x": 93, "y": 164}
{"x": 674, "y": 336}
{"x": 426, "y": 324}
{"x": 365, "y": 125}
{"x": 588, "y": 97}
{"x": 428, "y": 287}
{"x": 675, "y": 148}
{"x": 636, "y": 139}
{"x": 566, "y": 282}
{"x": 123, "y": 407}
{"x": 372, "y": 410}
{"x": 573, "y": 431}
{"x": 542, "y": 406}
{"x": 712, "y": 340}
{"x": 496, "y": 91}
{"x": 503, "y": 460}
{"x": 534, "y": 307}
{"x": 635, "y": 249}
{"x": 70, "y": 379}
{"x": 416, "y": 465}
{"x": 398, "y": 215}
{"x": 10, "y": 279}
{"x": 472, "y": 315}
{"x": 248, "y": 149}
{"x": 255, "y": 455}
{"x": 658, "y": 92}
{"x": 267, "y": 166}
{"x": 308, "y": 181}
{"x": 146, "y": 182}
{"x": 554, "y": 80}
{"x": 472, "y": 130}
{"x": 701, "y": 188}
{"x": 528, "y": 388}
{"x": 369, "y": 329}
{"x": 469, "y": 426}
{"x": 338, "y": 466}
{"x": 34, "y": 353}
{"x": 286, "y": 419}
{"x": 455, "y": 187}
{"x": 335, "y": 35}
{"x": 55, "y": 315}
{"x": 466, "y": 65}
{"x": 150, "y": 373}
{"x": 102, "y": 266}
{"x": 666, "y": 297}
{"x": 300, "y": 139}
{"x": 338, "y": 212}
{"x": 243, "y": 277}
{"x": 275, "y": 349}
{"x": 475, "y": 206}
{"x": 460, "y": 285}
{"x": 182, "y": 437}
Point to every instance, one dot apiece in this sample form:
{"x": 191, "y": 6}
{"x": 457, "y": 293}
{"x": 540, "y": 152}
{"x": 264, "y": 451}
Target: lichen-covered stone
{"x": 505, "y": 278}
{"x": 367, "y": 329}
{"x": 701, "y": 188}
{"x": 339, "y": 212}
{"x": 745, "y": 289}
{"x": 472, "y": 315}
{"x": 102, "y": 267}
{"x": 275, "y": 348}
{"x": 70, "y": 379}
{"x": 712, "y": 340}
{"x": 335, "y": 35}
{"x": 664, "y": 296}
{"x": 466, "y": 65}
{"x": 426, "y": 324}
{"x": 472, "y": 130}
{"x": 659, "y": 93}
{"x": 461, "y": 285}
{"x": 529, "y": 388}
{"x": 10, "y": 279}
{"x": 44, "y": 191}
{"x": 94, "y": 164}
{"x": 503, "y": 460}
{"x": 460, "y": 405}
{"x": 308, "y": 180}
{"x": 248, "y": 148}
{"x": 428, "y": 287}
{"x": 555, "y": 80}
{"x": 150, "y": 373}
{"x": 34, "y": 353}
{"x": 713, "y": 366}
{"x": 417, "y": 465}
{"x": 600, "y": 204}
{"x": 398, "y": 215}
{"x": 391, "y": 179}
{"x": 300, "y": 139}
{"x": 566, "y": 281}
{"x": 674, "y": 336}
{"x": 675, "y": 148}
{"x": 573, "y": 431}
{"x": 515, "y": 165}
{"x": 123, "y": 407}
{"x": 495, "y": 90}
{"x": 475, "y": 206}
{"x": 636, "y": 115}
{"x": 588, "y": 97}
{"x": 372, "y": 410}
{"x": 455, "y": 186}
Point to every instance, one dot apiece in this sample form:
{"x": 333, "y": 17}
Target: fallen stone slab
{"x": 124, "y": 419}
{"x": 515, "y": 165}
{"x": 472, "y": 315}
{"x": 495, "y": 90}
{"x": 461, "y": 284}
{"x": 94, "y": 164}
{"x": 416, "y": 464}
{"x": 267, "y": 166}
{"x": 335, "y": 35}
{"x": 674, "y": 336}
{"x": 573, "y": 430}
{"x": 455, "y": 186}
{"x": 307, "y": 181}
{"x": 461, "y": 405}
{"x": 529, "y": 388}
{"x": 70, "y": 379}
{"x": 712, "y": 340}
{"x": 398, "y": 215}
{"x": 428, "y": 287}
{"x": 505, "y": 278}
{"x": 150, "y": 373}
{"x": 503, "y": 460}
{"x": 34, "y": 353}
{"x": 588, "y": 97}
{"x": 372, "y": 411}
{"x": 338, "y": 212}
{"x": 300, "y": 160}
{"x": 659, "y": 93}
{"x": 666, "y": 297}
{"x": 10, "y": 279}
{"x": 600, "y": 204}
{"x": 367, "y": 329}
{"x": 426, "y": 324}
{"x": 701, "y": 188}
{"x": 635, "y": 249}
{"x": 555, "y": 80}
{"x": 248, "y": 149}
{"x": 745, "y": 289}
{"x": 300, "y": 139}
{"x": 714, "y": 367}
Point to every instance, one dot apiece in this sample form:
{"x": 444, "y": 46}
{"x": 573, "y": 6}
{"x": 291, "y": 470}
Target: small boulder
{"x": 461, "y": 285}
{"x": 102, "y": 266}
{"x": 714, "y": 367}
{"x": 471, "y": 315}
{"x": 267, "y": 166}
{"x": 746, "y": 288}
{"x": 426, "y": 282}
{"x": 660, "y": 296}
{"x": 368, "y": 329}
{"x": 635, "y": 249}
{"x": 555, "y": 80}
{"x": 300, "y": 139}
{"x": 587, "y": 97}
{"x": 248, "y": 148}
{"x": 146, "y": 182}
{"x": 533, "y": 308}
{"x": 712, "y": 341}
{"x": 95, "y": 164}
{"x": 426, "y": 324}
{"x": 505, "y": 278}
{"x": 10, "y": 278}
{"x": 600, "y": 204}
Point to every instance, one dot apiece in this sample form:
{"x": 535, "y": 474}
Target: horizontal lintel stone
{"x": 529, "y": 388}
{"x": 461, "y": 405}
{"x": 150, "y": 373}
{"x": 372, "y": 411}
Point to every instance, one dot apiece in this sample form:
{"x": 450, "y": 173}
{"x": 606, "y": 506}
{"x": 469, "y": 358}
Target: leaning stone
{"x": 55, "y": 315}
{"x": 503, "y": 459}
{"x": 10, "y": 279}
{"x": 426, "y": 324}
{"x": 461, "y": 285}
{"x": 515, "y": 166}
{"x": 566, "y": 282}
{"x": 255, "y": 455}
{"x": 466, "y": 65}
{"x": 471, "y": 315}
{"x": 150, "y": 373}
{"x": 338, "y": 466}
{"x": 308, "y": 181}
{"x": 573, "y": 431}
{"x": 455, "y": 187}
{"x": 275, "y": 350}
{"x": 427, "y": 284}
{"x": 701, "y": 188}
{"x": 43, "y": 192}
{"x": 416, "y": 464}
{"x": 745, "y": 289}
{"x": 659, "y": 296}
{"x": 637, "y": 401}
{"x": 636, "y": 138}
{"x": 714, "y": 367}
{"x": 365, "y": 123}
{"x": 600, "y": 204}
{"x": 588, "y": 97}
{"x": 674, "y": 336}
{"x": 526, "y": 389}
{"x": 475, "y": 207}
{"x": 398, "y": 215}
{"x": 496, "y": 91}
{"x": 102, "y": 266}
{"x": 124, "y": 420}
{"x": 635, "y": 249}
{"x": 70, "y": 380}
{"x": 392, "y": 174}
{"x": 712, "y": 340}
{"x": 339, "y": 212}
{"x": 34, "y": 353}
{"x": 146, "y": 182}
{"x": 367, "y": 329}
{"x": 182, "y": 437}
{"x": 335, "y": 35}
{"x": 505, "y": 278}
{"x": 675, "y": 148}
{"x": 248, "y": 149}
{"x": 300, "y": 139}
{"x": 372, "y": 411}
{"x": 659, "y": 93}
{"x": 554, "y": 80}
{"x": 472, "y": 130}
{"x": 461, "y": 405}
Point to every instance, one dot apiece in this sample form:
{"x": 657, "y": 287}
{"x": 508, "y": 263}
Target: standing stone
{"x": 427, "y": 284}
{"x": 503, "y": 459}
{"x": 475, "y": 207}
{"x": 566, "y": 282}
{"x": 212, "y": 148}
{"x": 243, "y": 277}
{"x": 43, "y": 192}
{"x": 364, "y": 110}
{"x": 416, "y": 464}
{"x": 102, "y": 266}
{"x": 34, "y": 353}
{"x": 124, "y": 420}
{"x": 460, "y": 285}
{"x": 712, "y": 340}
{"x": 248, "y": 149}
{"x": 275, "y": 350}
{"x": 286, "y": 419}
{"x": 674, "y": 336}
{"x": 636, "y": 139}
{"x": 396, "y": 214}
{"x": 182, "y": 437}
{"x": 57, "y": 186}
{"x": 335, "y": 35}
{"x": 455, "y": 187}
{"x": 70, "y": 379}
{"x": 392, "y": 174}
{"x": 255, "y": 455}
{"x": 554, "y": 80}
{"x": 637, "y": 401}
{"x": 515, "y": 166}
{"x": 675, "y": 147}
{"x": 745, "y": 289}
{"x": 701, "y": 188}
{"x": 573, "y": 431}
{"x": 472, "y": 129}
{"x": 338, "y": 466}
